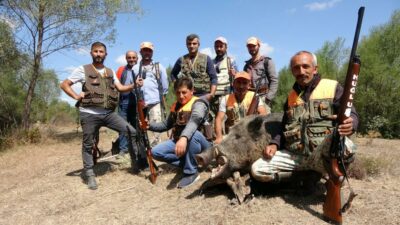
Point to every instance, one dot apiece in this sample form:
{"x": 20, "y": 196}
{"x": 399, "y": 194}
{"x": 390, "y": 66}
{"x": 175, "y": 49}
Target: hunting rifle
{"x": 143, "y": 124}
{"x": 254, "y": 101}
{"x": 229, "y": 65}
{"x": 333, "y": 208}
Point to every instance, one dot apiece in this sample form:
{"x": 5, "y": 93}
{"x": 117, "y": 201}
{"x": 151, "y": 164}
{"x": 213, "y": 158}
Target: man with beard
{"x": 97, "y": 102}
{"x": 155, "y": 86}
{"x": 262, "y": 70}
{"x": 197, "y": 66}
{"x": 127, "y": 101}
{"x": 226, "y": 68}
{"x": 236, "y": 105}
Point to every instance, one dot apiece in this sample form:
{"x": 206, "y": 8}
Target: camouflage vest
{"x": 99, "y": 91}
{"x": 234, "y": 111}
{"x": 197, "y": 71}
{"x": 223, "y": 84}
{"x": 309, "y": 123}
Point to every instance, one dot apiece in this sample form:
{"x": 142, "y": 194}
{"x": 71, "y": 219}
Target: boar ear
{"x": 255, "y": 125}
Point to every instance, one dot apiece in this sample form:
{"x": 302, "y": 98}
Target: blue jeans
{"x": 165, "y": 152}
{"x": 127, "y": 110}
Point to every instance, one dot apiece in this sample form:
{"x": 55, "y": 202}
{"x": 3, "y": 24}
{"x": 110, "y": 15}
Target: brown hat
{"x": 146, "y": 44}
{"x": 253, "y": 41}
{"x": 242, "y": 74}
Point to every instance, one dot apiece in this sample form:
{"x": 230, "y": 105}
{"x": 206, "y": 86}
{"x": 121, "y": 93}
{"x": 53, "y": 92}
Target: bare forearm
{"x": 66, "y": 87}
{"x": 124, "y": 88}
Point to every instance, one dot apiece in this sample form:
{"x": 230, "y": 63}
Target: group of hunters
{"x": 211, "y": 96}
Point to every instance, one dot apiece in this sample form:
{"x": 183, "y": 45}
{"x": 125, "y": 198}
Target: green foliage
{"x": 11, "y": 86}
{"x": 60, "y": 112}
{"x": 377, "y": 98}
{"x": 286, "y": 81}
{"x": 170, "y": 98}
{"x": 48, "y": 26}
{"x": 330, "y": 59}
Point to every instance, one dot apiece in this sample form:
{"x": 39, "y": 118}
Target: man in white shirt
{"x": 97, "y": 101}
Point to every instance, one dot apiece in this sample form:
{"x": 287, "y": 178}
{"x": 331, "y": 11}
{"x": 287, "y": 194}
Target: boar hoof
{"x": 240, "y": 186}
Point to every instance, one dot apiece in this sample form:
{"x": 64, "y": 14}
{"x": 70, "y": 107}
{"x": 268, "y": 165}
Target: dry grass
{"x": 40, "y": 184}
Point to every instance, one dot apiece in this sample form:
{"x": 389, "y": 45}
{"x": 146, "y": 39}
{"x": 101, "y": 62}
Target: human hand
{"x": 270, "y": 151}
{"x": 80, "y": 96}
{"x": 232, "y": 72}
{"x": 218, "y": 140}
{"x": 146, "y": 123}
{"x": 180, "y": 147}
{"x": 208, "y": 97}
{"x": 346, "y": 128}
{"x": 139, "y": 82}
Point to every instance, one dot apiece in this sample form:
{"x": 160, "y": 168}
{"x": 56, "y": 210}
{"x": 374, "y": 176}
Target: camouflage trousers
{"x": 284, "y": 162}
{"x": 155, "y": 116}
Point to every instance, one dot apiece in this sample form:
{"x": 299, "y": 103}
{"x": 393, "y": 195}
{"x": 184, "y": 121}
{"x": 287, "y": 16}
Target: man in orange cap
{"x": 236, "y": 104}
{"x": 262, "y": 71}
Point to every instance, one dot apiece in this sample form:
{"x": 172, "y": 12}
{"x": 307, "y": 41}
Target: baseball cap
{"x": 147, "y": 44}
{"x": 253, "y": 41}
{"x": 221, "y": 39}
{"x": 242, "y": 74}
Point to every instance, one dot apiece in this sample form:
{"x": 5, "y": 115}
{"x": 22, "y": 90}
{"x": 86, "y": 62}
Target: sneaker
{"x": 91, "y": 183}
{"x": 188, "y": 179}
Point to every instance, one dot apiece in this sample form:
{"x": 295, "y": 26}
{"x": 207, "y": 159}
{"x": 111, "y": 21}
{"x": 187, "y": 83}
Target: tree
{"x": 331, "y": 58}
{"x": 170, "y": 98}
{"x": 286, "y": 81}
{"x": 47, "y": 26}
{"x": 11, "y": 92}
{"x": 377, "y": 99}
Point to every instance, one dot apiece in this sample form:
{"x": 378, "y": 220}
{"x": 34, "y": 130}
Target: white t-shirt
{"x": 78, "y": 76}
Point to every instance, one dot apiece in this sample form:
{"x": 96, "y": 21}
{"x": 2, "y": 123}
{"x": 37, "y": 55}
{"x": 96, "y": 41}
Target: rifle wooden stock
{"x": 140, "y": 109}
{"x": 332, "y": 208}
{"x": 332, "y": 205}
{"x": 146, "y": 142}
{"x": 253, "y": 105}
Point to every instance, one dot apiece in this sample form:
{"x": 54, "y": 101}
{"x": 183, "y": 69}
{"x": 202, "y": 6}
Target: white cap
{"x": 221, "y": 39}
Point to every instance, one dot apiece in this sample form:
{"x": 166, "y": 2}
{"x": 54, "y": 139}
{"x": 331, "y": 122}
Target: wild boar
{"x": 236, "y": 153}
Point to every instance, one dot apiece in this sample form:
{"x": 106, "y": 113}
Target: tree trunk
{"x": 37, "y": 58}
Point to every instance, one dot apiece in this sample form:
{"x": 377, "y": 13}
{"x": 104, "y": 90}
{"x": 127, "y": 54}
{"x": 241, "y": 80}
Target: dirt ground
{"x": 40, "y": 184}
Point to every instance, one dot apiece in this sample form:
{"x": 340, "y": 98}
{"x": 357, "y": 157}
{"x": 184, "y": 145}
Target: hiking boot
{"x": 140, "y": 165}
{"x": 188, "y": 179}
{"x": 91, "y": 182}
